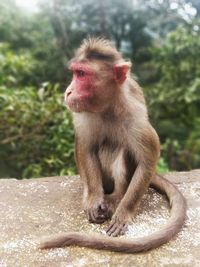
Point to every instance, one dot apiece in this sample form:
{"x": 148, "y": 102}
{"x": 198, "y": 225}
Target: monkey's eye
{"x": 80, "y": 73}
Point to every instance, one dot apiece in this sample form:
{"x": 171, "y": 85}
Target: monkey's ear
{"x": 120, "y": 71}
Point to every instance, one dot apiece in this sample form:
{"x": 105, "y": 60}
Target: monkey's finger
{"x": 102, "y": 207}
{"x": 124, "y": 229}
{"x": 87, "y": 215}
{"x": 112, "y": 227}
{"x": 119, "y": 230}
{"x": 101, "y": 218}
{"x": 112, "y": 230}
{"x": 113, "y": 222}
{"x": 98, "y": 216}
{"x": 92, "y": 217}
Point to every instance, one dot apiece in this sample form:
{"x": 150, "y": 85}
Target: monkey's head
{"x": 99, "y": 72}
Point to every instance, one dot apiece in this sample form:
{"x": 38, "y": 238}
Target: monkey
{"x": 116, "y": 151}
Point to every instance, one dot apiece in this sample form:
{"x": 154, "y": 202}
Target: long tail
{"x": 173, "y": 226}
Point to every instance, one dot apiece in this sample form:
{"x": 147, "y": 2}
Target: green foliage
{"x": 33, "y": 35}
{"x": 162, "y": 166}
{"x": 193, "y": 144}
{"x": 175, "y": 98}
{"x": 15, "y": 68}
{"x": 36, "y": 133}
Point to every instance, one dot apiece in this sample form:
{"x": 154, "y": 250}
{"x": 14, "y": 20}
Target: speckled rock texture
{"x": 30, "y": 209}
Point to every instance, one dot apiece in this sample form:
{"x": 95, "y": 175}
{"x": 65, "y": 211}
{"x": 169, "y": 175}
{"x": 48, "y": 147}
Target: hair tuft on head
{"x": 98, "y": 49}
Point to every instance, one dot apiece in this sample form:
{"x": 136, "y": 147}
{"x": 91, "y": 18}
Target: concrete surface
{"x": 33, "y": 208}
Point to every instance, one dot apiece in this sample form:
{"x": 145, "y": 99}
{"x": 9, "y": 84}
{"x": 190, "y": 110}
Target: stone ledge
{"x": 33, "y": 208}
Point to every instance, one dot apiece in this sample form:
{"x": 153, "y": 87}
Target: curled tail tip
{"x": 46, "y": 242}
{"x": 42, "y": 244}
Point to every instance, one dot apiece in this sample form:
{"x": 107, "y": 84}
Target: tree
{"x": 175, "y": 97}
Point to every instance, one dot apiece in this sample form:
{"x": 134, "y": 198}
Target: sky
{"x": 187, "y": 10}
{"x": 30, "y": 5}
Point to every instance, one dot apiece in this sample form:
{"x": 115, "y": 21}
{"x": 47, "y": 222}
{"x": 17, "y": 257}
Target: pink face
{"x": 83, "y": 77}
{"x": 89, "y": 90}
{"x": 80, "y": 93}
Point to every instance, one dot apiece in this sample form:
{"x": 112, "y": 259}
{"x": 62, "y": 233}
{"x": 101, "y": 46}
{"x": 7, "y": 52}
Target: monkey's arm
{"x": 90, "y": 172}
{"x": 136, "y": 189}
{"x": 145, "y": 171}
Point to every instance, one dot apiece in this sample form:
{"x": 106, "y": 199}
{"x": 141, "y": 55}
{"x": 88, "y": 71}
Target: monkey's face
{"x": 88, "y": 90}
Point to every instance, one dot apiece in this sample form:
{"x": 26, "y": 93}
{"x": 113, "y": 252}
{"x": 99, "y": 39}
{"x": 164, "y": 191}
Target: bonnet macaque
{"x": 117, "y": 150}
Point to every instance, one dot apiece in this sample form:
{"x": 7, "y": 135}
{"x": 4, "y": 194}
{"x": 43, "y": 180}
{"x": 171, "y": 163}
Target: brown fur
{"x": 117, "y": 150}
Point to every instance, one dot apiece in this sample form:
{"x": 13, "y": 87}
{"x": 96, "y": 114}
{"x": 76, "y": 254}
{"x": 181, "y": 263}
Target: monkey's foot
{"x": 98, "y": 212}
{"x": 118, "y": 226}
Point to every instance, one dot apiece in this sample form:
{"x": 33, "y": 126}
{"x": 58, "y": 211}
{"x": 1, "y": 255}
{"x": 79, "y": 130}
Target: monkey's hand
{"x": 119, "y": 223}
{"x": 96, "y": 209}
{"x": 112, "y": 201}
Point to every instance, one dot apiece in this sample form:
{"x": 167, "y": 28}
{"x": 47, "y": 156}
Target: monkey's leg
{"x": 113, "y": 200}
{"x": 125, "y": 210}
{"x": 94, "y": 204}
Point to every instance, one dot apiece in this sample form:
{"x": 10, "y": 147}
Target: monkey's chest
{"x": 117, "y": 163}
{"x": 112, "y": 161}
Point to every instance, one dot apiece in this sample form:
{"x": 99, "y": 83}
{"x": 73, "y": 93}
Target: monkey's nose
{"x": 68, "y": 93}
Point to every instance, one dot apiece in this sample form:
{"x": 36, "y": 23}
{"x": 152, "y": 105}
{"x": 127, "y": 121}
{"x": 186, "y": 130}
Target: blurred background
{"x": 37, "y": 38}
